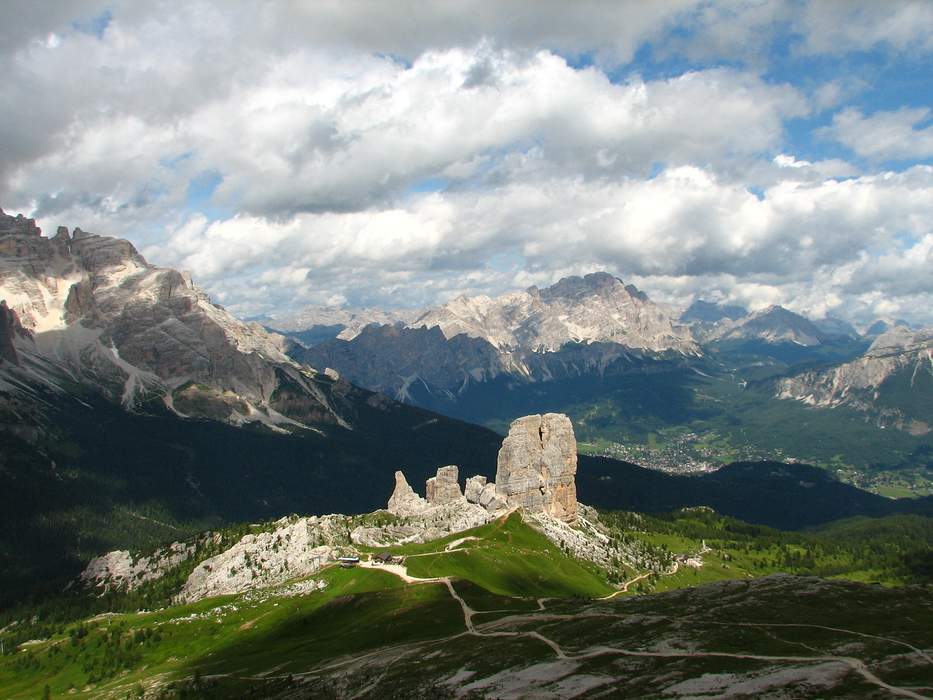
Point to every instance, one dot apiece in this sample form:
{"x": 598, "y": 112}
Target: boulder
{"x": 474, "y": 488}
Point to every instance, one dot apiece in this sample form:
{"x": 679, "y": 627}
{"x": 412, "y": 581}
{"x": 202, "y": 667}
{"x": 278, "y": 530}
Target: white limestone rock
{"x": 474, "y": 488}
{"x": 445, "y": 487}
{"x": 404, "y": 501}
{"x": 537, "y": 466}
{"x": 293, "y": 550}
{"x": 482, "y": 492}
{"x": 94, "y": 311}
{"x": 899, "y": 353}
{"x": 120, "y": 571}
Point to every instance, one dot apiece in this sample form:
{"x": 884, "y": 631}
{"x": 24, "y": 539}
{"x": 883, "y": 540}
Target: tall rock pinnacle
{"x": 538, "y": 464}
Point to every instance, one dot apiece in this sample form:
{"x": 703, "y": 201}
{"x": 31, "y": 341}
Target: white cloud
{"x": 315, "y": 133}
{"x": 323, "y": 125}
{"x": 678, "y": 234}
{"x": 883, "y": 135}
{"x": 837, "y": 26}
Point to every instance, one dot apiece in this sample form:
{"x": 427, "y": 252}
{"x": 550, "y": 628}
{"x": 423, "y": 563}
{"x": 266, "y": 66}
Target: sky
{"x": 399, "y": 154}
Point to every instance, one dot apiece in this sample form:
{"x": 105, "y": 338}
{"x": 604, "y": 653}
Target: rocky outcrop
{"x": 891, "y": 382}
{"x": 443, "y": 488}
{"x": 536, "y": 471}
{"x": 119, "y": 570}
{"x": 537, "y": 466}
{"x": 444, "y": 511}
{"x": 483, "y": 493}
{"x": 293, "y": 550}
{"x": 404, "y": 501}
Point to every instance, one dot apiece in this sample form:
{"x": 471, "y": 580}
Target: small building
{"x": 384, "y": 557}
{"x": 348, "y": 562}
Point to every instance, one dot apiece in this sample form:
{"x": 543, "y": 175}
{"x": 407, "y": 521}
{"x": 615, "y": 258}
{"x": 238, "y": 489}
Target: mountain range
{"x": 141, "y": 425}
{"x": 616, "y": 362}
{"x": 133, "y": 409}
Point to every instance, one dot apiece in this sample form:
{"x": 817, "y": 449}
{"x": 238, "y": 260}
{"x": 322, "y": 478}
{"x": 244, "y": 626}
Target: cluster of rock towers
{"x": 536, "y": 471}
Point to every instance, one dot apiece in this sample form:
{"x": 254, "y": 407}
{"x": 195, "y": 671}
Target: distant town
{"x": 691, "y": 453}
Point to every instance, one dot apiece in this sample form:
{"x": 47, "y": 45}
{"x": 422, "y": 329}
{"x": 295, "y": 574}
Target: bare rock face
{"x": 538, "y": 464}
{"x": 444, "y": 512}
{"x": 890, "y": 382}
{"x": 444, "y": 488}
{"x": 404, "y": 501}
{"x": 293, "y": 550}
{"x": 474, "y": 488}
{"x": 90, "y": 308}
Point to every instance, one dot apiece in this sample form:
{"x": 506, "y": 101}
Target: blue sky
{"x": 400, "y": 154}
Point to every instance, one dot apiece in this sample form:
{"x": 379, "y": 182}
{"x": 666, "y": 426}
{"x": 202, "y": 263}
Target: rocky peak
{"x": 443, "y": 488}
{"x": 404, "y": 501}
{"x": 597, "y": 307}
{"x": 537, "y": 466}
{"x": 899, "y": 339}
{"x": 774, "y": 324}
{"x": 99, "y": 313}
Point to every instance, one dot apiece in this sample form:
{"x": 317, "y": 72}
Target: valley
{"x": 193, "y": 506}
{"x": 630, "y": 373}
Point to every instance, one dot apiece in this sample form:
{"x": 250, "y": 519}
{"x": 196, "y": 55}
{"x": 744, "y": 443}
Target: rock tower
{"x": 538, "y": 465}
{"x": 537, "y": 469}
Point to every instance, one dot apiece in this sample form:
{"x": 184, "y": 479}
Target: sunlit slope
{"x": 504, "y": 586}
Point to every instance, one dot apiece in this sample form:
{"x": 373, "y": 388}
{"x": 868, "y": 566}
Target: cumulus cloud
{"x": 315, "y": 134}
{"x": 884, "y": 135}
{"x": 680, "y": 233}
{"x": 349, "y": 152}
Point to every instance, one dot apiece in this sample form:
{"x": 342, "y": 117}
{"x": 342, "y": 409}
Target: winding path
{"x": 854, "y": 664}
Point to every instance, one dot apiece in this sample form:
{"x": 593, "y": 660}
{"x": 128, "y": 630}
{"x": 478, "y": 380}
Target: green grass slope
{"x": 509, "y": 558}
{"x": 505, "y": 588}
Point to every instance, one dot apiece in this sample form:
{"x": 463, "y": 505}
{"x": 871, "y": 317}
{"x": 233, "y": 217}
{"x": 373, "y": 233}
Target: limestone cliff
{"x": 892, "y": 383}
{"x": 537, "y": 466}
{"x": 445, "y": 487}
{"x": 404, "y": 501}
{"x": 536, "y": 470}
{"x": 90, "y": 308}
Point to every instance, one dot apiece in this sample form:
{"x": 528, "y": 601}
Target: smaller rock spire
{"x": 404, "y": 500}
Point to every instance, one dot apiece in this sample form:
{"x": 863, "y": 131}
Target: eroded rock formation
{"x": 538, "y": 464}
{"x": 445, "y": 487}
{"x": 537, "y": 470}
{"x": 404, "y": 501}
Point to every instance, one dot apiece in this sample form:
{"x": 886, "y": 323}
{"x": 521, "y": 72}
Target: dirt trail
{"x": 624, "y": 588}
{"x": 855, "y": 664}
